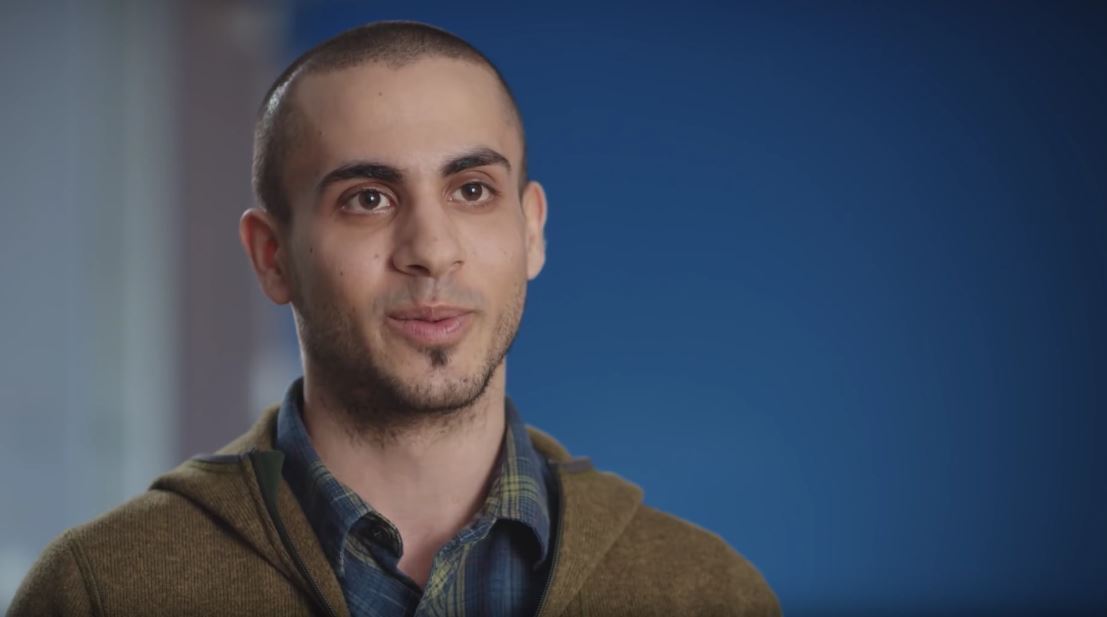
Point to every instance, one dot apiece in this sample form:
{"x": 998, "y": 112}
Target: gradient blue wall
{"x": 827, "y": 278}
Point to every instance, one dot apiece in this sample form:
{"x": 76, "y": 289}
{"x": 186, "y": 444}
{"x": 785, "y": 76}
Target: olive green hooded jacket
{"x": 224, "y": 535}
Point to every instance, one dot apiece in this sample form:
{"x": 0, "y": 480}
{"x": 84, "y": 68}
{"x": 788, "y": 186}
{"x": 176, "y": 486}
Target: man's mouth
{"x": 426, "y": 312}
{"x": 431, "y": 325}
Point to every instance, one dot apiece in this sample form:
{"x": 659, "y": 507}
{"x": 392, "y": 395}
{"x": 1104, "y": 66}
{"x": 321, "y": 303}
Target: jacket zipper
{"x": 556, "y": 544}
{"x": 270, "y": 506}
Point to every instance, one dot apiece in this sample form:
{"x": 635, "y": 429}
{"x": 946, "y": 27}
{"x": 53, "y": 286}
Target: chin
{"x": 444, "y": 382}
{"x": 440, "y": 394}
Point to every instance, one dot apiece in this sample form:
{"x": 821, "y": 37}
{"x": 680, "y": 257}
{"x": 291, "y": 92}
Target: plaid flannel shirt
{"x": 495, "y": 566}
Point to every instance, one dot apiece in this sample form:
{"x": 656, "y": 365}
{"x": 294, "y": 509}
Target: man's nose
{"x": 427, "y": 242}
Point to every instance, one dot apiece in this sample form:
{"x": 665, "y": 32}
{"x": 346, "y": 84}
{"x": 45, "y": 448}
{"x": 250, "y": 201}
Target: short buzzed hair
{"x": 392, "y": 43}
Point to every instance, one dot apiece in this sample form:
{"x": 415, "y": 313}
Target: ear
{"x": 260, "y": 235}
{"x": 534, "y": 210}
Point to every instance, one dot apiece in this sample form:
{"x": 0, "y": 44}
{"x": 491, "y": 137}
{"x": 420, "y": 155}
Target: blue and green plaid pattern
{"x": 495, "y": 566}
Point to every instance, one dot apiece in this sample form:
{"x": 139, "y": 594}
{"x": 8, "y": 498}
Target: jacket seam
{"x": 216, "y": 467}
{"x": 270, "y": 530}
{"x": 286, "y": 543}
{"x": 88, "y": 578}
{"x": 216, "y": 459}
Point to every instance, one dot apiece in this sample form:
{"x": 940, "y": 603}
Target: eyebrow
{"x": 363, "y": 170}
{"x": 477, "y": 157}
{"x": 368, "y": 170}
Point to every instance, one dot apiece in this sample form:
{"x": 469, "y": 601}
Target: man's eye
{"x": 472, "y": 193}
{"x": 368, "y": 199}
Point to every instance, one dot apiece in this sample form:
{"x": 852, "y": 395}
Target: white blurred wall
{"x": 131, "y": 331}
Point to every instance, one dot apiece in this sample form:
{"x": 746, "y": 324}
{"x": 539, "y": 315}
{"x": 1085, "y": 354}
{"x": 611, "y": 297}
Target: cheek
{"x": 501, "y": 271}
{"x": 355, "y": 276}
{"x": 499, "y": 253}
{"x": 498, "y": 239}
{"x": 345, "y": 272}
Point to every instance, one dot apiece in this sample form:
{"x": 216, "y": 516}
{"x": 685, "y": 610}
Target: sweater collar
{"x": 595, "y": 509}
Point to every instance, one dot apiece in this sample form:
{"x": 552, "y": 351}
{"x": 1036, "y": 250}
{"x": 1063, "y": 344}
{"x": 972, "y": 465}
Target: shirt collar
{"x": 330, "y": 507}
{"x": 519, "y": 489}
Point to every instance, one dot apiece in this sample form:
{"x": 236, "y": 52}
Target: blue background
{"x": 827, "y": 278}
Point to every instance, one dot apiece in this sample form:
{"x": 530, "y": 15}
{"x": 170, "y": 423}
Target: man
{"x": 395, "y": 478}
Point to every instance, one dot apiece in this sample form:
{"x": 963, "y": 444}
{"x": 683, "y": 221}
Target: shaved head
{"x": 281, "y": 128}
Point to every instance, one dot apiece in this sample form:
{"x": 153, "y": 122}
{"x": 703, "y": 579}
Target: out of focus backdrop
{"x": 827, "y": 278}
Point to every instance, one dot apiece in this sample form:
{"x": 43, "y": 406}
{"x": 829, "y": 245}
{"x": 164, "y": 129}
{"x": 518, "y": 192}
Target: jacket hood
{"x": 241, "y": 486}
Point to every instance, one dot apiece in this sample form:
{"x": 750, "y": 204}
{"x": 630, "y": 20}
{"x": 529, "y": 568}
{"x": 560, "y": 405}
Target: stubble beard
{"x": 378, "y": 405}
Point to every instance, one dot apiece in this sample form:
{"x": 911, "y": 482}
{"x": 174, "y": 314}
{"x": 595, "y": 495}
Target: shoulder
{"x": 661, "y": 564}
{"x": 157, "y": 551}
{"x": 70, "y": 574}
{"x": 154, "y": 524}
{"x": 656, "y": 563}
{"x": 56, "y": 584}
{"x": 139, "y": 523}
{"x": 676, "y": 564}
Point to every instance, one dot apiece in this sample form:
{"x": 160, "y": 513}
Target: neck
{"x": 431, "y": 478}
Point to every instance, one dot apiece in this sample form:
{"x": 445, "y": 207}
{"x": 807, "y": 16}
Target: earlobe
{"x": 262, "y": 241}
{"x": 534, "y": 210}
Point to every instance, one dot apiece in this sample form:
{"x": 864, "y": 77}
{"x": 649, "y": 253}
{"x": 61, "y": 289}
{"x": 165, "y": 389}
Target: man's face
{"x": 408, "y": 251}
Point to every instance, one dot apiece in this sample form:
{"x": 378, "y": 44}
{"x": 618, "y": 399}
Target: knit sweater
{"x": 223, "y": 535}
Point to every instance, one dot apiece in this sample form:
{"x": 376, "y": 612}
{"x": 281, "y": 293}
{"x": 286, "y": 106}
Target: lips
{"x": 428, "y": 313}
{"x": 431, "y": 325}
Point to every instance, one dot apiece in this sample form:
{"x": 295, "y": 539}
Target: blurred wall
{"x": 130, "y": 318}
{"x": 227, "y": 58}
{"x": 87, "y": 255}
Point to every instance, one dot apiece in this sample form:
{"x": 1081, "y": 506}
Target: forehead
{"x": 411, "y": 116}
